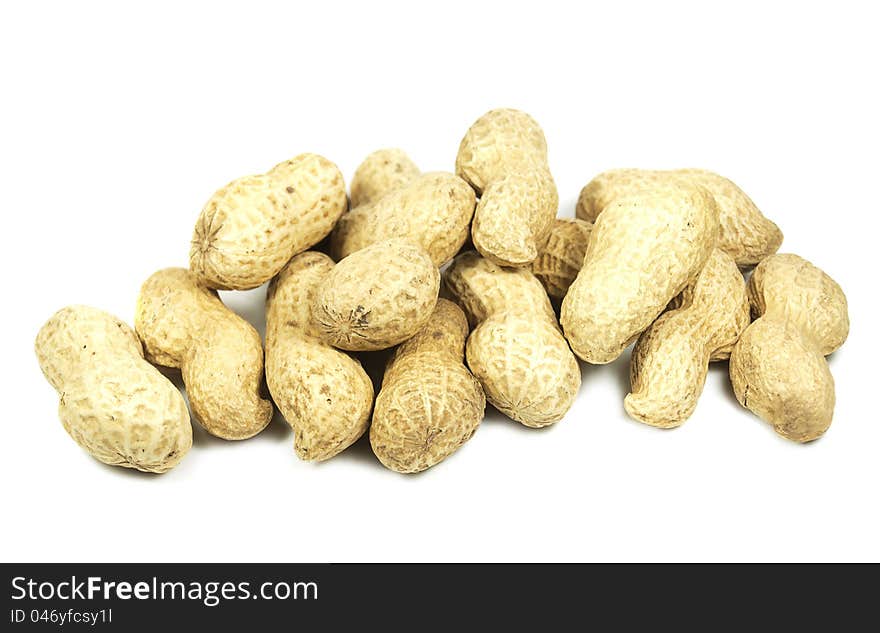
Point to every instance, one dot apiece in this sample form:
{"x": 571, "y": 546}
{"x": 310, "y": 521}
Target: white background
{"x": 118, "y": 123}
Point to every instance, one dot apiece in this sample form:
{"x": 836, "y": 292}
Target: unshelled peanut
{"x": 671, "y": 358}
{"x": 643, "y": 250}
{"x": 516, "y": 350}
{"x": 377, "y": 297}
{"x": 432, "y": 210}
{"x": 778, "y": 366}
{"x": 504, "y": 157}
{"x": 114, "y": 404}
{"x": 746, "y": 235}
{"x": 184, "y": 324}
{"x": 323, "y": 393}
{"x": 251, "y": 228}
{"x": 429, "y": 404}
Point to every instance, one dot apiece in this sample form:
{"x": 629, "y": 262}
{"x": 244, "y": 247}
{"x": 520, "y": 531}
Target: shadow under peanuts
{"x": 360, "y": 453}
{"x": 324, "y": 245}
{"x": 278, "y": 430}
{"x": 174, "y": 376}
{"x": 120, "y": 471}
{"x": 618, "y": 369}
{"x": 494, "y": 416}
{"x": 374, "y": 364}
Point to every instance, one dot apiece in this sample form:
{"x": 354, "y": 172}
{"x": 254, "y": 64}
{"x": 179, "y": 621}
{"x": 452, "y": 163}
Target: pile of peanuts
{"x": 463, "y": 276}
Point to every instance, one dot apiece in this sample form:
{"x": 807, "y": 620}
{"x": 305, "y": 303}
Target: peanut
{"x": 432, "y": 210}
{"x": 671, "y": 358}
{"x": 504, "y": 158}
{"x": 778, "y": 368}
{"x": 377, "y": 297}
{"x": 252, "y": 227}
{"x": 380, "y": 173}
{"x": 324, "y": 394}
{"x": 644, "y": 249}
{"x": 516, "y": 350}
{"x": 746, "y": 235}
{"x": 184, "y": 324}
{"x": 429, "y": 404}
{"x": 114, "y": 404}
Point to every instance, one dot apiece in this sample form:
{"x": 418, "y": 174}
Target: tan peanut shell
{"x": 562, "y": 257}
{"x": 324, "y": 394}
{"x": 380, "y": 173}
{"x": 429, "y": 404}
{"x": 789, "y": 285}
{"x": 251, "y": 227}
{"x": 778, "y": 368}
{"x": 504, "y": 157}
{"x": 516, "y": 350}
{"x": 377, "y": 297}
{"x": 644, "y": 249}
{"x": 182, "y": 323}
{"x": 431, "y": 210}
{"x": 114, "y": 404}
{"x": 746, "y": 235}
{"x": 671, "y": 358}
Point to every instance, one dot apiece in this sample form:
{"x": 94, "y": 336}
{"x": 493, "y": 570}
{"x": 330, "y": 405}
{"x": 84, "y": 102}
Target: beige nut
{"x": 644, "y": 249}
{"x": 790, "y": 286}
{"x": 562, "y": 257}
{"x": 377, "y": 297}
{"x": 746, "y": 235}
{"x": 429, "y": 404}
{"x": 504, "y": 157}
{"x": 252, "y": 227}
{"x": 671, "y": 358}
{"x": 114, "y": 404}
{"x": 432, "y": 210}
{"x": 379, "y": 174}
{"x": 778, "y": 368}
{"x": 516, "y": 350}
{"x": 324, "y": 394}
{"x": 184, "y": 324}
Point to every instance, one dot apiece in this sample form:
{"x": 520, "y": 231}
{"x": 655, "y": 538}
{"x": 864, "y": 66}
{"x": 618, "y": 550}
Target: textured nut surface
{"x": 114, "y": 404}
{"x": 251, "y": 227}
{"x": 789, "y": 286}
{"x": 429, "y": 404}
{"x": 671, "y": 358}
{"x": 779, "y": 375}
{"x": 182, "y": 323}
{"x": 644, "y": 249}
{"x": 516, "y": 350}
{"x": 562, "y": 257}
{"x": 504, "y": 157}
{"x": 377, "y": 297}
{"x": 324, "y": 394}
{"x": 778, "y": 368}
{"x": 431, "y": 210}
{"x": 746, "y": 235}
{"x": 380, "y": 173}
